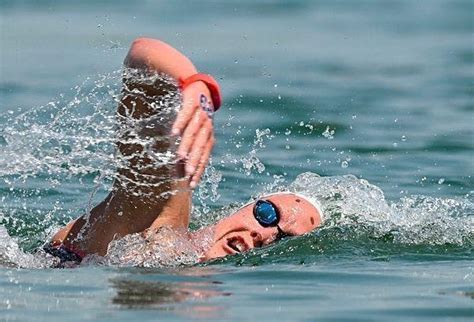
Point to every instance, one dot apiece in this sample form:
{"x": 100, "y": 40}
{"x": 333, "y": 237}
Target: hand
{"x": 195, "y": 126}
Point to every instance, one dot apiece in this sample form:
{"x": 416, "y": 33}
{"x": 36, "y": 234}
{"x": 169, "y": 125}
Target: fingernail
{"x": 175, "y": 131}
{"x": 193, "y": 184}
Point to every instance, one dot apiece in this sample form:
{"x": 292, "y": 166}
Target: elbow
{"x": 143, "y": 52}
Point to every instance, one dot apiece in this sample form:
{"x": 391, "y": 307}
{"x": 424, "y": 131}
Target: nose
{"x": 257, "y": 239}
{"x": 264, "y": 237}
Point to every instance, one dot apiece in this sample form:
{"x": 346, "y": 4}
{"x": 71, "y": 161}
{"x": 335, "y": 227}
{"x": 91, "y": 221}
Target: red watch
{"x": 211, "y": 84}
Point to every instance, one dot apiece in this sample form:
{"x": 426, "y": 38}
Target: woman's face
{"x": 241, "y": 231}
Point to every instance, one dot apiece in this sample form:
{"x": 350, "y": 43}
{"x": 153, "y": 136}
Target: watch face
{"x": 206, "y": 105}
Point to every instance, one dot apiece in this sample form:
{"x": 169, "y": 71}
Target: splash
{"x": 349, "y": 201}
{"x": 69, "y": 144}
{"x": 251, "y": 162}
{"x": 11, "y": 255}
{"x": 355, "y": 211}
{"x": 77, "y": 138}
{"x": 63, "y": 138}
{"x": 166, "y": 248}
{"x": 65, "y": 146}
{"x": 358, "y": 220}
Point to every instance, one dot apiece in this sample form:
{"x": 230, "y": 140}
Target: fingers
{"x": 204, "y": 160}
{"x": 189, "y": 136}
{"x": 185, "y": 115}
{"x": 194, "y": 124}
{"x": 197, "y": 149}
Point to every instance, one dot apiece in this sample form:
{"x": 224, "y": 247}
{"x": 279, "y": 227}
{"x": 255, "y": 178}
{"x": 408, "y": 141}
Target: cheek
{"x": 216, "y": 251}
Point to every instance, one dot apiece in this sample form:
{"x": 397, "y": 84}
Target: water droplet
{"x": 441, "y": 181}
{"x": 344, "y": 164}
{"x": 328, "y": 133}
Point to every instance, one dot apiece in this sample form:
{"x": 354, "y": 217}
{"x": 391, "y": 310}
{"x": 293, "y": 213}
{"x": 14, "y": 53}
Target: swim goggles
{"x": 267, "y": 215}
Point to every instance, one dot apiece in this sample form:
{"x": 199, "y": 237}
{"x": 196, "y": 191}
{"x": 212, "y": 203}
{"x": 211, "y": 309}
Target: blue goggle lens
{"x": 265, "y": 213}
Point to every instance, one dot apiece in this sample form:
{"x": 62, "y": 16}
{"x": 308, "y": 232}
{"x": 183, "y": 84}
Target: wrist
{"x": 209, "y": 82}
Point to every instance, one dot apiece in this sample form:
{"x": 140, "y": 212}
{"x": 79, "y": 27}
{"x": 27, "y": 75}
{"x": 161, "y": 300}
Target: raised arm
{"x": 192, "y": 122}
{"x": 147, "y": 192}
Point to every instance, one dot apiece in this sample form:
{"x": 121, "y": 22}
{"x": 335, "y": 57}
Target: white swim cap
{"x": 309, "y": 199}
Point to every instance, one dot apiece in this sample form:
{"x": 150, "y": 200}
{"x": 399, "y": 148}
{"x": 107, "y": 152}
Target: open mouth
{"x": 237, "y": 244}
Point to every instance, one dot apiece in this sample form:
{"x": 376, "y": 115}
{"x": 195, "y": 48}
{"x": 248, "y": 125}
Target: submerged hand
{"x": 194, "y": 124}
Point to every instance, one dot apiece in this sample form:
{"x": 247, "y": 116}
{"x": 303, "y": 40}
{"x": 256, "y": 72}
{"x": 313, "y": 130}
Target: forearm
{"x": 156, "y": 55}
{"x": 147, "y": 193}
{"x": 91, "y": 233}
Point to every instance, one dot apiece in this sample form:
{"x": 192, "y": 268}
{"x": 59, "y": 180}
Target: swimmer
{"x": 149, "y": 194}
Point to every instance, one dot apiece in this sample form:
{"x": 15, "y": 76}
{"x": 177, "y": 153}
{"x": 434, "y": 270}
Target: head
{"x": 264, "y": 222}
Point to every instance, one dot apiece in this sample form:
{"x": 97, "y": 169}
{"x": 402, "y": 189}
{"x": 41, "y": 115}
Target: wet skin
{"x": 241, "y": 232}
{"x": 91, "y": 233}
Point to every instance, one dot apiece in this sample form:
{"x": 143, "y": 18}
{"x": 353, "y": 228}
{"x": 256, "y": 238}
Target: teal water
{"x": 375, "y": 97}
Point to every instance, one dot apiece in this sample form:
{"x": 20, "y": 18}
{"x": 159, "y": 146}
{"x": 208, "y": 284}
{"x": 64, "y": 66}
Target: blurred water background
{"x": 374, "y": 96}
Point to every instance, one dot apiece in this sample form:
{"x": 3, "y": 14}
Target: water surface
{"x": 376, "y": 97}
